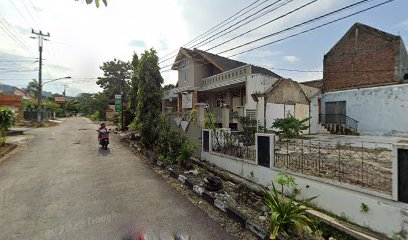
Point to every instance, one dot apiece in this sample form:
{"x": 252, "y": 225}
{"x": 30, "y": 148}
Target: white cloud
{"x": 291, "y": 59}
{"x": 403, "y": 25}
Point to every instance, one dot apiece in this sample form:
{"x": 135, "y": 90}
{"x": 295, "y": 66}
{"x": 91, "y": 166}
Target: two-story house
{"x": 219, "y": 82}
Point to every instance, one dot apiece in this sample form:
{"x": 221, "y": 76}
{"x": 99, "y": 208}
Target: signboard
{"x": 118, "y": 103}
{"x": 59, "y": 99}
{"x": 110, "y": 112}
{"x": 187, "y": 100}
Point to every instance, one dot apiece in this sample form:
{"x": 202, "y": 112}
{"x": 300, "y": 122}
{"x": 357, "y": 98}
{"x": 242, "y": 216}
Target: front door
{"x": 334, "y": 111}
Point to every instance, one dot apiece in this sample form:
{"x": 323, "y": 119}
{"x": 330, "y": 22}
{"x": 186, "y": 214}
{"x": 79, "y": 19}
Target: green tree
{"x": 134, "y": 83}
{"x": 7, "y": 118}
{"x": 148, "y": 97}
{"x": 33, "y": 87}
{"x": 115, "y": 74}
{"x": 89, "y": 104}
{"x": 168, "y": 87}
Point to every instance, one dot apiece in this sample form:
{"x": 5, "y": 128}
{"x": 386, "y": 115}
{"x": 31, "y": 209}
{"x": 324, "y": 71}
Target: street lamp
{"x": 40, "y": 93}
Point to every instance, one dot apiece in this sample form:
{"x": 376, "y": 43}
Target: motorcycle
{"x": 104, "y": 137}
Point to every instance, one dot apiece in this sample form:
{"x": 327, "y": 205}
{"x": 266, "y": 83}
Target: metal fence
{"x": 233, "y": 144}
{"x": 362, "y": 164}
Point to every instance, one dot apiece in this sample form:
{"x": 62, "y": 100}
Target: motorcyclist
{"x": 102, "y": 130}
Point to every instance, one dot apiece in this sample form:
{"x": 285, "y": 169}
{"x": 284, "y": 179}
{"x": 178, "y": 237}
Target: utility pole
{"x": 40, "y": 37}
{"x": 122, "y": 93}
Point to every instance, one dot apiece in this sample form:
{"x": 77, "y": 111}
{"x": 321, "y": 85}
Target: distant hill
{"x": 9, "y": 89}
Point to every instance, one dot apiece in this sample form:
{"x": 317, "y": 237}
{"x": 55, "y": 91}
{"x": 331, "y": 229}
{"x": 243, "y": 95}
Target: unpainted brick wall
{"x": 361, "y": 59}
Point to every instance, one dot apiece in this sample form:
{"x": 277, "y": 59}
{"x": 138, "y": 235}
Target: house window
{"x": 240, "y": 71}
{"x": 245, "y": 70}
{"x": 184, "y": 68}
{"x": 229, "y": 75}
{"x": 220, "y": 99}
{"x": 251, "y": 114}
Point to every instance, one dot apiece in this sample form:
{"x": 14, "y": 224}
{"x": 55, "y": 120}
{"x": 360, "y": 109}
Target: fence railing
{"x": 366, "y": 165}
{"x": 233, "y": 144}
{"x": 339, "y": 119}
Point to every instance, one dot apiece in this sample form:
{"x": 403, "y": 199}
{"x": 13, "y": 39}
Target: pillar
{"x": 200, "y": 118}
{"x": 225, "y": 113}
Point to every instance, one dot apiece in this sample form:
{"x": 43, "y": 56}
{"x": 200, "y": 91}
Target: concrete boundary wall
{"x": 385, "y": 215}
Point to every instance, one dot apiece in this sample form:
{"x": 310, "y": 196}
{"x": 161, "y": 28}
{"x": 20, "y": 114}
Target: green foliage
{"x": 209, "y": 121}
{"x": 148, "y": 98}
{"x": 249, "y": 128}
{"x": 168, "y": 87}
{"x": 286, "y": 215}
{"x": 7, "y": 119}
{"x": 290, "y": 126}
{"x": 33, "y": 88}
{"x": 116, "y": 74}
{"x": 364, "y": 208}
{"x": 172, "y": 145}
{"x": 96, "y": 2}
{"x": 90, "y": 103}
{"x": 96, "y": 116}
{"x": 134, "y": 85}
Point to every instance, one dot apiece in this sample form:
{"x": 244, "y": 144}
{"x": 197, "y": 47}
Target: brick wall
{"x": 363, "y": 58}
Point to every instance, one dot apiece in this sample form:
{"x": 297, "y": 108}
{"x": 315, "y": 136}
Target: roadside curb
{"x": 8, "y": 151}
{"x": 230, "y": 212}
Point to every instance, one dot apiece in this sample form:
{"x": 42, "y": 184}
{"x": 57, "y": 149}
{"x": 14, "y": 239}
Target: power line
{"x": 7, "y": 30}
{"x": 254, "y": 17}
{"x": 297, "y": 25}
{"x": 287, "y": 29}
{"x": 262, "y": 25}
{"x": 223, "y": 23}
{"x": 308, "y": 30}
{"x": 19, "y": 12}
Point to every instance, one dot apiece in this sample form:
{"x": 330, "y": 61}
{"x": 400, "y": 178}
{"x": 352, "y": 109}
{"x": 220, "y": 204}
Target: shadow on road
{"x": 104, "y": 152}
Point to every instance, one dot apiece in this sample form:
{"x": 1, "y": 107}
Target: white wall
{"x": 257, "y": 83}
{"x": 274, "y": 111}
{"x": 378, "y": 110}
{"x": 384, "y": 215}
{"x": 314, "y": 114}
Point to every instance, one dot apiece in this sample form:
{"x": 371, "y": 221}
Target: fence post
{"x": 264, "y": 145}
{"x": 399, "y": 169}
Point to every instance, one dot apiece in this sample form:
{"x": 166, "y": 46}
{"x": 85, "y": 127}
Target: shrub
{"x": 286, "y": 215}
{"x": 172, "y": 145}
{"x": 96, "y": 116}
{"x": 290, "y": 126}
{"x": 7, "y": 119}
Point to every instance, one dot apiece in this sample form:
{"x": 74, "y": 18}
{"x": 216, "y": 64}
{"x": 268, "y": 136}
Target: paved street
{"x": 63, "y": 186}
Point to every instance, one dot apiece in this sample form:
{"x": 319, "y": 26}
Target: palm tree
{"x": 33, "y": 87}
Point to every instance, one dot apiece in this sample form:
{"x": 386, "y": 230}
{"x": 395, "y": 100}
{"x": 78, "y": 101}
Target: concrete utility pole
{"x": 40, "y": 37}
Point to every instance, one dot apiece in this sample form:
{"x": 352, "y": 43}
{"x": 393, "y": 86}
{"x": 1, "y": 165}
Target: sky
{"x": 82, "y": 36}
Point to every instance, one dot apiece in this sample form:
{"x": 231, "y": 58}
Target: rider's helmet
{"x": 103, "y": 125}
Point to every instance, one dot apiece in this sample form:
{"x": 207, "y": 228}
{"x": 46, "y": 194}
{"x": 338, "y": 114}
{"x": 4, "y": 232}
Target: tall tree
{"x": 148, "y": 97}
{"x": 115, "y": 74}
{"x": 134, "y": 83}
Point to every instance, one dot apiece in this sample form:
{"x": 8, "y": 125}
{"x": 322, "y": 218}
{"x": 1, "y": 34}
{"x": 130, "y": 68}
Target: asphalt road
{"x": 63, "y": 186}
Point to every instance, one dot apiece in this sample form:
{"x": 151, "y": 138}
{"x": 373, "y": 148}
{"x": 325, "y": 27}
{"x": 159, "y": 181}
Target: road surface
{"x": 63, "y": 186}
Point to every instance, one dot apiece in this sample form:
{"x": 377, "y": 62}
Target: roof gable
{"x": 371, "y": 30}
{"x": 219, "y": 62}
{"x": 286, "y": 91}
